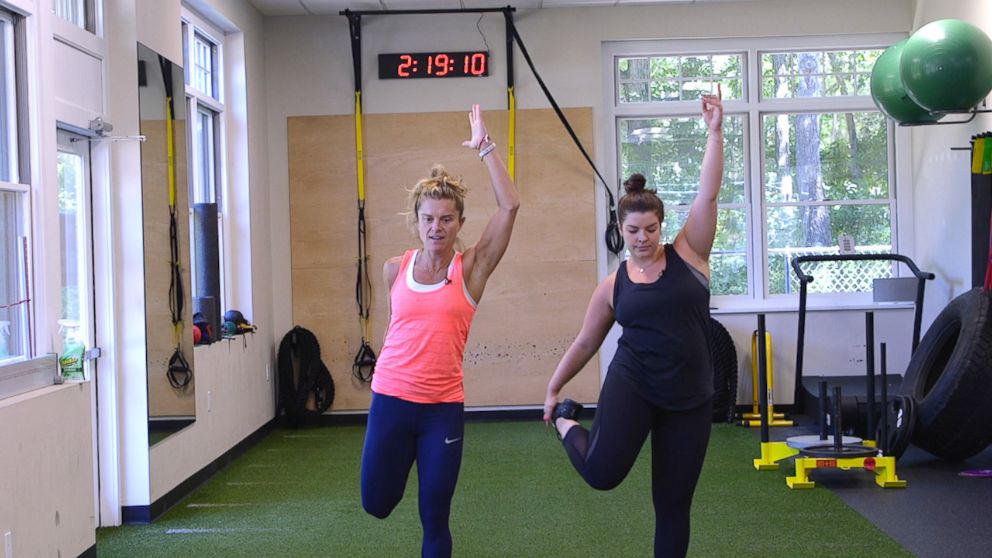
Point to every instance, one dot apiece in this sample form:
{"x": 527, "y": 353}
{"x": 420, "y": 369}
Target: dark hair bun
{"x": 635, "y": 183}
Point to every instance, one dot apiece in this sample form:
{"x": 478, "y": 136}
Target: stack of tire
{"x": 944, "y": 67}
{"x": 949, "y": 379}
{"x": 723, "y": 356}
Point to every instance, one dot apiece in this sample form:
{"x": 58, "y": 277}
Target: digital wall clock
{"x": 412, "y": 65}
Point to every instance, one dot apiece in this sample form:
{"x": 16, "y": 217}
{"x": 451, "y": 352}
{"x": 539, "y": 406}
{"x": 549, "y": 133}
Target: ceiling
{"x": 333, "y": 7}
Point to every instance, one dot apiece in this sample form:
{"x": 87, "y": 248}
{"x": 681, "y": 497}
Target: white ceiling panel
{"x": 334, "y": 7}
{"x": 573, "y": 3}
{"x": 520, "y": 5}
{"x": 421, "y": 4}
{"x": 640, "y": 2}
{"x": 279, "y": 7}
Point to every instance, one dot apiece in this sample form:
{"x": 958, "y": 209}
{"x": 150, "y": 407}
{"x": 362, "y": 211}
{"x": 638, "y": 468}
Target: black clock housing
{"x": 414, "y": 65}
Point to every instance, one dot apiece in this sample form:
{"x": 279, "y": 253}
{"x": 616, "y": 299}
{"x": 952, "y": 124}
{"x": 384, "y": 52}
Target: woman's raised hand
{"x": 713, "y": 110}
{"x": 478, "y": 126}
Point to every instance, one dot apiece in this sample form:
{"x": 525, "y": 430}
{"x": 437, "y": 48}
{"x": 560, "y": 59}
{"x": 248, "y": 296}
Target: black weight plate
{"x": 900, "y": 413}
{"x": 830, "y": 452}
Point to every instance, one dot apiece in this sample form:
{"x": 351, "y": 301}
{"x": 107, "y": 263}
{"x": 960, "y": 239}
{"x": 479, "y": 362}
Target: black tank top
{"x": 664, "y": 347}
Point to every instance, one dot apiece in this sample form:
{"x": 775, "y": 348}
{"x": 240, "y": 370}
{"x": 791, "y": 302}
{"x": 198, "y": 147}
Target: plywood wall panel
{"x": 534, "y": 302}
{"x": 163, "y": 399}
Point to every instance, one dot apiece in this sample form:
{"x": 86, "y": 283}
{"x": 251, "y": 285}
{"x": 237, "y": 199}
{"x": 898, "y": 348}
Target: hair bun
{"x": 635, "y": 183}
{"x": 438, "y": 171}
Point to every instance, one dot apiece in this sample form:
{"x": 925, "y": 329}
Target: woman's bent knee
{"x": 378, "y": 508}
{"x": 603, "y": 482}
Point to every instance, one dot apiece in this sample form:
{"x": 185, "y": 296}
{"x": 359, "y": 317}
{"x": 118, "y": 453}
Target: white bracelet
{"x": 487, "y": 150}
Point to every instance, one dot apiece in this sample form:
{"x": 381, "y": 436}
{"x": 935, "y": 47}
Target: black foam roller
{"x": 207, "y": 262}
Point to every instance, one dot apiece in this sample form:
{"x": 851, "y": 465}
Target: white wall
{"x": 46, "y": 465}
{"x": 313, "y": 54}
{"x": 233, "y": 399}
{"x": 942, "y": 185}
{"x": 74, "y": 77}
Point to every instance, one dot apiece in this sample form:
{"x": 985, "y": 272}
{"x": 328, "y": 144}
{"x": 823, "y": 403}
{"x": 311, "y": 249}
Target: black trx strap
{"x": 179, "y": 372}
{"x": 614, "y": 240}
{"x": 364, "y": 364}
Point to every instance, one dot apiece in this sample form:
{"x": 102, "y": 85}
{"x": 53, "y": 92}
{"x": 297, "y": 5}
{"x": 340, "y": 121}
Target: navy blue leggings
{"x": 605, "y": 454}
{"x": 399, "y": 433}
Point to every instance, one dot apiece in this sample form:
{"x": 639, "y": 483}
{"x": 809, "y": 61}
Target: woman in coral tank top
{"x": 417, "y": 406}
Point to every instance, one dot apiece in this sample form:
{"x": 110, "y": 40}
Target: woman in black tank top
{"x": 660, "y": 381}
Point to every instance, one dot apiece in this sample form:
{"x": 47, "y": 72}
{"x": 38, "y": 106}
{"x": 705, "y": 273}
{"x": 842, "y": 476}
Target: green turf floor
{"x": 296, "y": 494}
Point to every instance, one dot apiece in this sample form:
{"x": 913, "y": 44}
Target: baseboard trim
{"x": 147, "y": 514}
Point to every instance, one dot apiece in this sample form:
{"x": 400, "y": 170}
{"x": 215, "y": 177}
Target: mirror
{"x": 165, "y": 206}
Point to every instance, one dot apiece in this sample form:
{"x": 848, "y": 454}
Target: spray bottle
{"x": 71, "y": 361}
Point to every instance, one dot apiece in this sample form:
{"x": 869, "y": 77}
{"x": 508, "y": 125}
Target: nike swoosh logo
{"x": 450, "y": 440}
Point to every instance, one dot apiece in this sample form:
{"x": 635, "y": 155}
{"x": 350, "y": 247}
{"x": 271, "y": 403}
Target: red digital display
{"x": 412, "y": 65}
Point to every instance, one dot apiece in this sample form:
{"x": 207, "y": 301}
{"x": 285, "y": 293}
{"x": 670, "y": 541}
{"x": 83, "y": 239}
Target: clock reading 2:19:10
{"x": 406, "y": 65}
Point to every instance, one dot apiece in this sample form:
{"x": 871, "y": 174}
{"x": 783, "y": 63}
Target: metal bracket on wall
{"x": 972, "y": 113}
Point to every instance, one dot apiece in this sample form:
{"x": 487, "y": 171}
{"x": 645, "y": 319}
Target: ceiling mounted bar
{"x": 438, "y": 11}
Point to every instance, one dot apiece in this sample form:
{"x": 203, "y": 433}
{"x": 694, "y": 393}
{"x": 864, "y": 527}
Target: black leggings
{"x": 604, "y": 454}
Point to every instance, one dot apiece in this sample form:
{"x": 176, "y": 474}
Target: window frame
{"x": 89, "y": 10}
{"x": 753, "y": 109}
{"x": 73, "y": 143}
{"x": 9, "y": 98}
{"x": 15, "y": 108}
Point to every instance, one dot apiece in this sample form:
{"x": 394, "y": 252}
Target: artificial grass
{"x": 296, "y": 494}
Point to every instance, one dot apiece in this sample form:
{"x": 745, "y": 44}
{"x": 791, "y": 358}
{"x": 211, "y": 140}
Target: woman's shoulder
{"x": 394, "y": 262}
{"x": 391, "y": 267}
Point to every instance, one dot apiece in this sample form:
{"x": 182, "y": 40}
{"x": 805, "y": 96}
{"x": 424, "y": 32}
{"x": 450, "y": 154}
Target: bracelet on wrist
{"x": 487, "y": 150}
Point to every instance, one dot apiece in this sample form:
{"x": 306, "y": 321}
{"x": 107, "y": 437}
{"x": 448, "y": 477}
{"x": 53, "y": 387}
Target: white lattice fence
{"x": 836, "y": 277}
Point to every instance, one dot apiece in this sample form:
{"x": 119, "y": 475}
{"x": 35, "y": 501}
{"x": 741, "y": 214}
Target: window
{"x": 77, "y": 12}
{"x": 203, "y": 75}
{"x": 76, "y": 283}
{"x": 808, "y": 156}
{"x": 202, "y": 54}
{"x": 8, "y": 100}
{"x": 678, "y": 78}
{"x": 15, "y": 332}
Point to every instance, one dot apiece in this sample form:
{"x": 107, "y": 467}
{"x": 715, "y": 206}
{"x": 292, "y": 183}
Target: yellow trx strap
{"x": 171, "y": 151}
{"x": 171, "y": 167}
{"x": 364, "y": 287}
{"x": 512, "y": 133}
{"x": 358, "y": 146}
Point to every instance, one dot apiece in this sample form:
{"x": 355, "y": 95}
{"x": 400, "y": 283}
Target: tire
{"x": 723, "y": 357}
{"x": 950, "y": 377}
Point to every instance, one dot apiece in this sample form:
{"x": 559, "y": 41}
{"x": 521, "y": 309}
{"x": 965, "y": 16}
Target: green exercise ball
{"x": 888, "y": 93}
{"x": 946, "y": 65}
